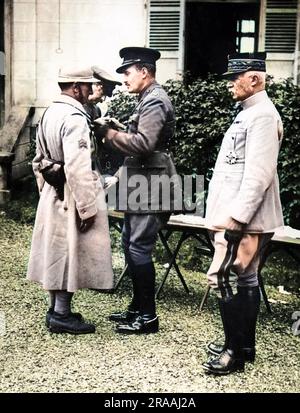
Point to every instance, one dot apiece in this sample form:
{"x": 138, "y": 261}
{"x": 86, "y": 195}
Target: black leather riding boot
{"x": 232, "y": 358}
{"x": 145, "y": 280}
{"x": 134, "y": 306}
{"x": 147, "y": 321}
{"x": 250, "y": 302}
{"x": 132, "y": 311}
{"x": 217, "y": 348}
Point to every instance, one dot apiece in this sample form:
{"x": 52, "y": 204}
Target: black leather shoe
{"x": 50, "y": 313}
{"x": 216, "y": 349}
{"x": 69, "y": 324}
{"x": 225, "y": 363}
{"x": 139, "y": 326}
{"x": 125, "y": 317}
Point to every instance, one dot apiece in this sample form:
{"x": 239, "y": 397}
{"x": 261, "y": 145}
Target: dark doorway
{"x": 214, "y": 30}
{"x": 2, "y": 78}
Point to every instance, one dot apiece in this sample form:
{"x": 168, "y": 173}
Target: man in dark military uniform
{"x": 105, "y": 159}
{"x": 150, "y": 129}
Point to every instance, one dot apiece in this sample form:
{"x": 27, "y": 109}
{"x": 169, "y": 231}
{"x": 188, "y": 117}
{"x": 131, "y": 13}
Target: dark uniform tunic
{"x": 150, "y": 129}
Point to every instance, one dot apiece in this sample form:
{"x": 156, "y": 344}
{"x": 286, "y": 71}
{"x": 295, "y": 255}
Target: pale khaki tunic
{"x": 247, "y": 188}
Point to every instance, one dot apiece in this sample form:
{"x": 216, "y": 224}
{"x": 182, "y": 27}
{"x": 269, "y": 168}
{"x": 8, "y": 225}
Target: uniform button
{"x": 83, "y": 211}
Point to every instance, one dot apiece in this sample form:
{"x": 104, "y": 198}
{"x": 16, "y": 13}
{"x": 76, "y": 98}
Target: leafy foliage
{"x": 121, "y": 106}
{"x": 204, "y": 110}
{"x": 286, "y": 97}
{"x": 22, "y": 206}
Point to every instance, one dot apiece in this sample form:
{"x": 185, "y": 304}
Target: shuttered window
{"x": 164, "y": 25}
{"x": 281, "y": 26}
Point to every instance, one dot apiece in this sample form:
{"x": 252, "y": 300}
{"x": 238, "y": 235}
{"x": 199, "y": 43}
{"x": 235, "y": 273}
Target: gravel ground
{"x": 33, "y": 360}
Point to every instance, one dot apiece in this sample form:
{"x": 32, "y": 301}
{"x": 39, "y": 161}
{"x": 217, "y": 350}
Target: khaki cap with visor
{"x": 102, "y": 75}
{"x": 108, "y": 82}
{"x": 69, "y": 75}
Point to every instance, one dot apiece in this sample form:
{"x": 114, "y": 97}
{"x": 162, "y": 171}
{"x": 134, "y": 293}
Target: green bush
{"x": 204, "y": 110}
{"x": 286, "y": 97}
{"x": 121, "y": 106}
{"x": 22, "y": 207}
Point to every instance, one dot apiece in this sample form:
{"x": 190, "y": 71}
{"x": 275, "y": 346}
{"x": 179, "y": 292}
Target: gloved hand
{"x": 112, "y": 123}
{"x": 233, "y": 236}
{"x": 234, "y": 230}
{"x": 110, "y": 181}
{"x": 115, "y": 124}
{"x": 84, "y": 225}
{"x": 101, "y": 126}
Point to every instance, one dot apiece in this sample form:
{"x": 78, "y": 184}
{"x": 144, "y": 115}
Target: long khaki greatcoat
{"x": 61, "y": 257}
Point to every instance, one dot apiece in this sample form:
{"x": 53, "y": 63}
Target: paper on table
{"x": 188, "y": 219}
{"x": 287, "y": 231}
{"x": 284, "y": 231}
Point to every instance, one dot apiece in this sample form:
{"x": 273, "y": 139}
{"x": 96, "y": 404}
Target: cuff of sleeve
{"x": 117, "y": 174}
{"x": 87, "y": 211}
{"x": 242, "y": 218}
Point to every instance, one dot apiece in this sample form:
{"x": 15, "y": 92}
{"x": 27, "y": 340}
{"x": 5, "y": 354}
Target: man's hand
{"x": 101, "y": 126}
{"x": 234, "y": 225}
{"x": 109, "y": 123}
{"x": 233, "y": 236}
{"x": 110, "y": 181}
{"x": 234, "y": 231}
{"x": 115, "y": 124}
{"x": 85, "y": 224}
{"x": 226, "y": 222}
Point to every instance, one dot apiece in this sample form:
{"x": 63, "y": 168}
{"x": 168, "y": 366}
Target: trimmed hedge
{"x": 204, "y": 110}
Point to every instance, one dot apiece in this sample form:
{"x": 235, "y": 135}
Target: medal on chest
{"x": 231, "y": 157}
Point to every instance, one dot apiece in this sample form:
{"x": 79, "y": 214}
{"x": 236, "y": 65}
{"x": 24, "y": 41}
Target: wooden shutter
{"x": 281, "y": 26}
{"x": 164, "y": 25}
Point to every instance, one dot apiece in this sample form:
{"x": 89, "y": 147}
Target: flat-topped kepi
{"x": 69, "y": 75}
{"x": 133, "y": 55}
{"x": 243, "y": 62}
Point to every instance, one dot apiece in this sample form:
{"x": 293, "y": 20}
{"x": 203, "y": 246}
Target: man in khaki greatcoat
{"x": 70, "y": 244}
{"x": 243, "y": 209}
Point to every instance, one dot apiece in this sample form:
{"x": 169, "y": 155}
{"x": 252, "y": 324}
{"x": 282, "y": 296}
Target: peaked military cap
{"x": 69, "y": 75}
{"x": 133, "y": 55}
{"x": 243, "y": 62}
{"x": 102, "y": 75}
{"x": 107, "y": 80}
